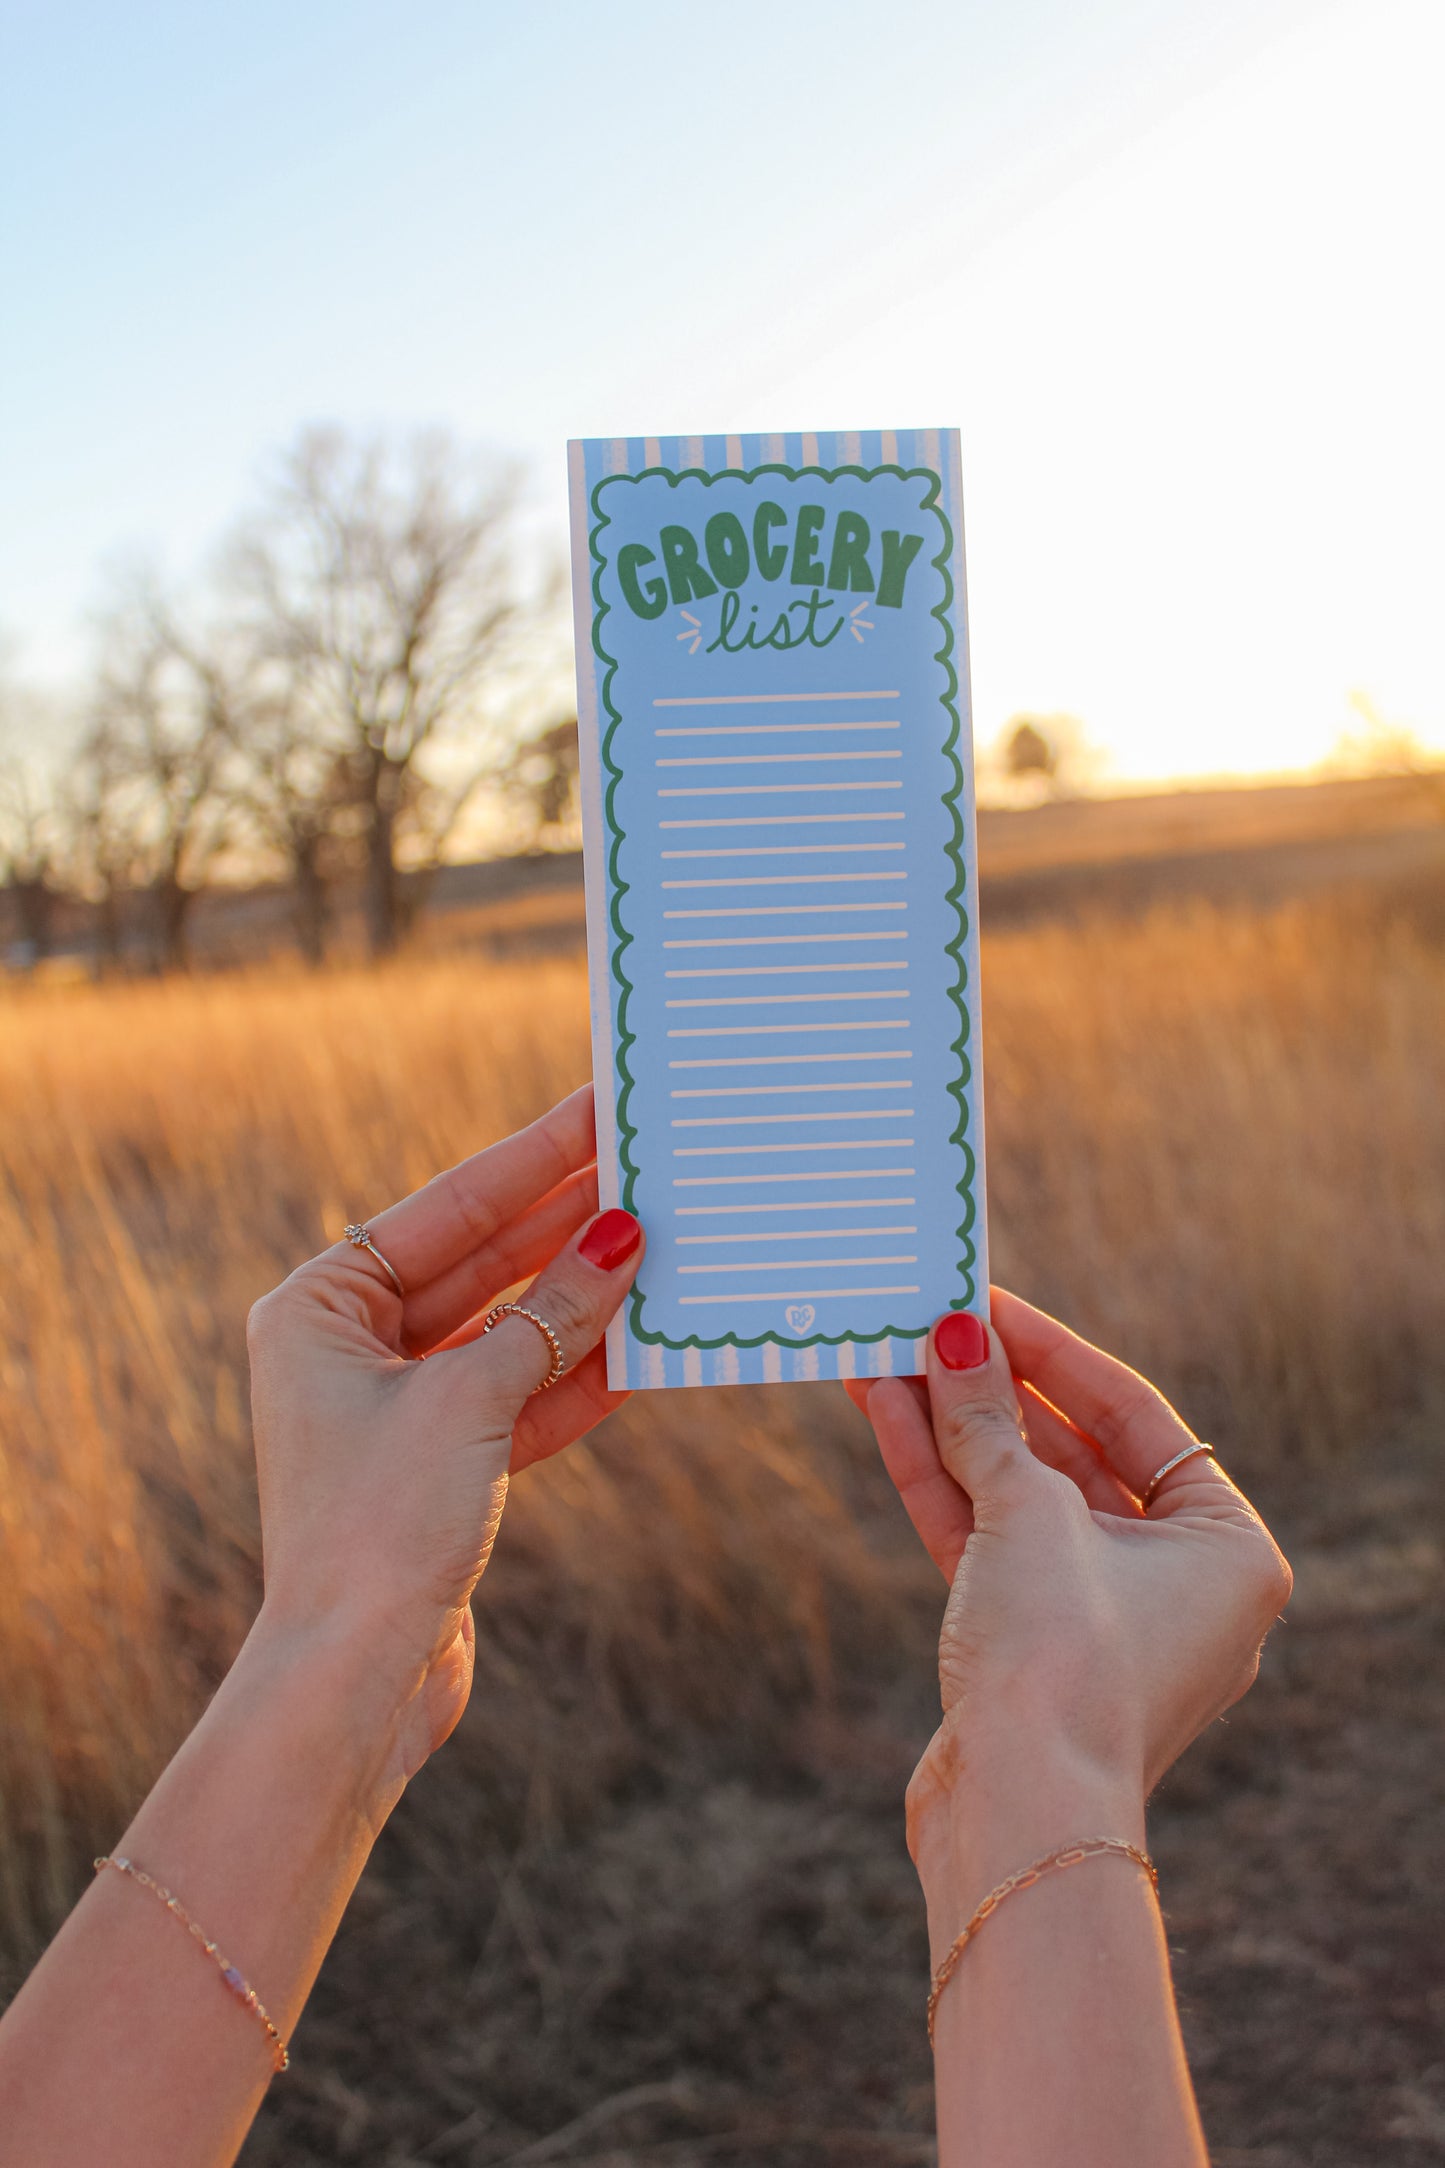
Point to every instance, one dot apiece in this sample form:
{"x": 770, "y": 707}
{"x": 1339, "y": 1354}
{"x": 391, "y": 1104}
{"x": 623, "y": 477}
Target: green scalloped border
{"x": 617, "y": 887}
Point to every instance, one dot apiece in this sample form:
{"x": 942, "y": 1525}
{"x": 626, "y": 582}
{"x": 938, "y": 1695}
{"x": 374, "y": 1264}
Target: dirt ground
{"x": 728, "y": 1964}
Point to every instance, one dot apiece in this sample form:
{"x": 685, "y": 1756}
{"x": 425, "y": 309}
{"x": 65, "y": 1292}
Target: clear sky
{"x": 1173, "y": 269}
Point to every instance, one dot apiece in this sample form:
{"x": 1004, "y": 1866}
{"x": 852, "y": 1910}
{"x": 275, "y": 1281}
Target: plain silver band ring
{"x": 1151, "y": 1488}
{"x": 361, "y": 1240}
{"x": 515, "y": 1309}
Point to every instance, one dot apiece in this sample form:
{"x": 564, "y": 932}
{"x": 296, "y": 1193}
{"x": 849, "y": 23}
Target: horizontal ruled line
{"x": 778, "y": 850}
{"x": 751, "y": 700}
{"x": 766, "y": 730}
{"x": 764, "y": 1181}
{"x": 785, "y": 940}
{"x": 768, "y": 1001}
{"x": 770, "y": 790}
{"x": 781, "y": 880}
{"x": 782, "y": 910}
{"x": 765, "y": 760}
{"x": 734, "y": 1151}
{"x": 764, "y": 1091}
{"x": 790, "y": 1061}
{"x": 779, "y": 820}
{"x": 794, "y": 1294}
{"x": 799, "y": 1204}
{"x": 769, "y": 1031}
{"x": 778, "y": 971}
{"x": 803, "y": 1234}
{"x": 822, "y": 1114}
{"x": 789, "y": 1264}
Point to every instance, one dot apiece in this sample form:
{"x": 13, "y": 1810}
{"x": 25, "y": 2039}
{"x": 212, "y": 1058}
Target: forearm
{"x": 1056, "y": 2040}
{"x": 260, "y": 1827}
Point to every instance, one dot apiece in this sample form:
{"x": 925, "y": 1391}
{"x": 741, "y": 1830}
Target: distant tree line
{"x": 373, "y": 654}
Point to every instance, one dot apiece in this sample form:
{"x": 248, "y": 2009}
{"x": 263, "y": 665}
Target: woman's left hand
{"x": 383, "y": 1476}
{"x": 1086, "y": 1641}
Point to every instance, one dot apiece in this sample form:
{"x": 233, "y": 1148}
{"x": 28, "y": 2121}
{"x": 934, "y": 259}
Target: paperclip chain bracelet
{"x": 1068, "y": 1855}
{"x": 238, "y": 1986}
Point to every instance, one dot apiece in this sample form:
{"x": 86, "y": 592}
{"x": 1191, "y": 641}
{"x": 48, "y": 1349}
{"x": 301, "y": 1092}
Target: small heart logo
{"x": 800, "y": 1316}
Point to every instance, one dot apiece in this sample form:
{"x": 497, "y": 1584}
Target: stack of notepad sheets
{"x": 782, "y": 900}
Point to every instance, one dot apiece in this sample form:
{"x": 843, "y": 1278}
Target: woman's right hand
{"x": 1085, "y": 1643}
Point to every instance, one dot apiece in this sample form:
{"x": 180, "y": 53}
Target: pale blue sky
{"x": 1172, "y": 269}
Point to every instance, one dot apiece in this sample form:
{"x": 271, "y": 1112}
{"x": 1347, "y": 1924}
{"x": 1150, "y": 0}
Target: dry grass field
{"x": 652, "y": 1904}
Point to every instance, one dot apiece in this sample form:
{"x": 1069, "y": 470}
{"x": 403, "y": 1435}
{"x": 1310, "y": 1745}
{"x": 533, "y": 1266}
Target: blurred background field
{"x": 653, "y": 1903}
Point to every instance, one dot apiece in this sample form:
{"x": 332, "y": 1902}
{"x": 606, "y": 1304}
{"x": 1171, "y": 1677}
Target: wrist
{"x": 334, "y": 1707}
{"x": 989, "y": 1798}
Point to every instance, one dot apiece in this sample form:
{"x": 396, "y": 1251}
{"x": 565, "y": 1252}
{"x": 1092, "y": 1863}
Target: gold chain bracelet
{"x": 1068, "y": 1855}
{"x": 239, "y": 1987}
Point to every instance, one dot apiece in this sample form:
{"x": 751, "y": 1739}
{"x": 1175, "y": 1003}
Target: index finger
{"x": 939, "y": 1509}
{"x": 457, "y": 1212}
{"x": 1133, "y": 1424}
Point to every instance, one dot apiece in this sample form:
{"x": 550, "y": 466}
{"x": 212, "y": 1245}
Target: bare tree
{"x": 29, "y": 856}
{"x": 1027, "y": 752}
{"x": 297, "y": 796}
{"x": 164, "y": 736}
{"x": 1050, "y": 752}
{"x": 543, "y": 776}
{"x": 30, "y": 829}
{"x": 386, "y": 585}
{"x": 101, "y": 849}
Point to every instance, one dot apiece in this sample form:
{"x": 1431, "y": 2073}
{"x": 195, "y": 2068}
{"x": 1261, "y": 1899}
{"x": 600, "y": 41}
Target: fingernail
{"x": 961, "y": 1340}
{"x": 610, "y": 1240}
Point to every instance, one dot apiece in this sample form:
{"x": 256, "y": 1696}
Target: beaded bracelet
{"x": 238, "y": 1986}
{"x": 1068, "y": 1855}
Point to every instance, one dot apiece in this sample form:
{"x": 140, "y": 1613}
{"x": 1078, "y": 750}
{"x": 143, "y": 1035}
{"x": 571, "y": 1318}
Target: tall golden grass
{"x": 1216, "y": 1143}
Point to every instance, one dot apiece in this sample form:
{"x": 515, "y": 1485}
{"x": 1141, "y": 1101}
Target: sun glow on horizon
{"x": 1203, "y": 446}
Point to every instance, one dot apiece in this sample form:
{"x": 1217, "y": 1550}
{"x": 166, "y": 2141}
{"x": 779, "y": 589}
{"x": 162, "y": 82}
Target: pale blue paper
{"x": 782, "y": 905}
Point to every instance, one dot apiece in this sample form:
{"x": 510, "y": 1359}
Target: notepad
{"x": 781, "y": 875}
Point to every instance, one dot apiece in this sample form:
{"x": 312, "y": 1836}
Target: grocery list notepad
{"x": 782, "y": 896}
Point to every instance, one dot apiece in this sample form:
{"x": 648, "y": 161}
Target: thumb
{"x": 575, "y": 1297}
{"x": 975, "y": 1409}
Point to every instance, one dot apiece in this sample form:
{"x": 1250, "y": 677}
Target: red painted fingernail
{"x": 610, "y": 1241}
{"x": 961, "y": 1340}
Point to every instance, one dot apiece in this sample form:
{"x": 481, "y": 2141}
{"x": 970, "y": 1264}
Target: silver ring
{"x": 361, "y": 1240}
{"x": 515, "y": 1309}
{"x": 1146, "y": 1496}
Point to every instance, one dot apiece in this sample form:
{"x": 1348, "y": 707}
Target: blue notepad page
{"x": 772, "y": 673}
